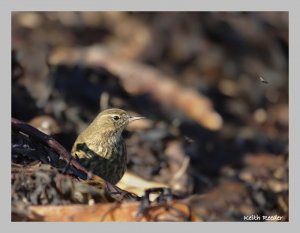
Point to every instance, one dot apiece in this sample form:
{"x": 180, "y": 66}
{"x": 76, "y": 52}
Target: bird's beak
{"x": 134, "y": 118}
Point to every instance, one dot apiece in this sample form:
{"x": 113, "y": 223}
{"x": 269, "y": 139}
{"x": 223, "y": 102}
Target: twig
{"x": 49, "y": 141}
{"x": 104, "y": 101}
{"x": 138, "y": 78}
{"x": 181, "y": 170}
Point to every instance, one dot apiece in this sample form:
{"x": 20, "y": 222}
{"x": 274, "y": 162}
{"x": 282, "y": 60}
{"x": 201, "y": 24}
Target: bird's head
{"x": 114, "y": 120}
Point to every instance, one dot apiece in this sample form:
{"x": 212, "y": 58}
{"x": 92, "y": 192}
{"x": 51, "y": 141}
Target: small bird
{"x": 100, "y": 148}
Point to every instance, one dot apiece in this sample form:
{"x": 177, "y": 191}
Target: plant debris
{"x": 213, "y": 87}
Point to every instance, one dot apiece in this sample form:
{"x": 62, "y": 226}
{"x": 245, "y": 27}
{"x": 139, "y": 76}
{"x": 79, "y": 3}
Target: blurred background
{"x": 212, "y": 85}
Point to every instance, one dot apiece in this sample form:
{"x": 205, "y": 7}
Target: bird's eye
{"x": 116, "y": 118}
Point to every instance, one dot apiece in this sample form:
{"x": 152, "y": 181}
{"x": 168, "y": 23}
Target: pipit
{"x": 100, "y": 148}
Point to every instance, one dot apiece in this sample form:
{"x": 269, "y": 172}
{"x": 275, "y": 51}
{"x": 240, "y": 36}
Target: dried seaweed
{"x": 216, "y": 132}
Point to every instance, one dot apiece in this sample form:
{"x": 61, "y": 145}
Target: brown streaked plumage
{"x": 101, "y": 148}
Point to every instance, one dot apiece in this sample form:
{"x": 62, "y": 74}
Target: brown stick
{"x": 49, "y": 141}
{"x": 139, "y": 78}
